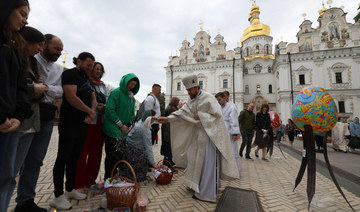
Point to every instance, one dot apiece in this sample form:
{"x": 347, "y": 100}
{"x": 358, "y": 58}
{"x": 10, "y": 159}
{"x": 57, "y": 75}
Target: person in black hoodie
{"x": 14, "y": 103}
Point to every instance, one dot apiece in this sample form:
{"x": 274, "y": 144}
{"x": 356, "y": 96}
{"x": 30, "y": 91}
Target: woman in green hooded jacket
{"x": 119, "y": 114}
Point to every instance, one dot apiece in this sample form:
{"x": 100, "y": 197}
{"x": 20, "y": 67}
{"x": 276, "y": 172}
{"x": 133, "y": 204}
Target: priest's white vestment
{"x": 230, "y": 116}
{"x": 194, "y": 140}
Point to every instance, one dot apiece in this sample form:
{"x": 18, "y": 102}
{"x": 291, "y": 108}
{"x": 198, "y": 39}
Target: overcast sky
{"x": 138, "y": 36}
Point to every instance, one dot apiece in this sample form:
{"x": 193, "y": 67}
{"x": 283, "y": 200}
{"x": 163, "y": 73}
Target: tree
{"x": 109, "y": 88}
{"x": 162, "y": 103}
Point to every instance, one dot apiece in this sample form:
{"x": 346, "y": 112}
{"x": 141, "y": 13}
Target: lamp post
{"x": 291, "y": 82}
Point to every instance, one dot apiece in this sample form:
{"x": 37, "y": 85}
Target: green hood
{"x": 125, "y": 80}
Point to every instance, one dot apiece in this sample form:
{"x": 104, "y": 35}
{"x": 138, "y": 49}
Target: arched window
{"x": 257, "y": 68}
{"x": 270, "y": 88}
{"x": 257, "y": 49}
{"x": 267, "y": 50}
{"x": 246, "y": 89}
{"x": 247, "y": 52}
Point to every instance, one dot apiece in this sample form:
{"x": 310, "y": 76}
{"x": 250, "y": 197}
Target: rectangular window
{"x": 338, "y": 77}
{"x": 225, "y": 83}
{"x": 302, "y": 79}
{"x": 246, "y": 89}
{"x": 201, "y": 84}
{"x": 178, "y": 86}
{"x": 341, "y": 107}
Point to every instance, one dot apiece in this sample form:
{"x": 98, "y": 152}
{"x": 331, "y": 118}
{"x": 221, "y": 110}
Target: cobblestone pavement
{"x": 273, "y": 181}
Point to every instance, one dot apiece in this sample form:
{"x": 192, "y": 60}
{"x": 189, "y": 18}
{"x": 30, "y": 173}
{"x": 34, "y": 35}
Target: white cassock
{"x": 230, "y": 115}
{"x": 201, "y": 146}
{"x": 339, "y": 131}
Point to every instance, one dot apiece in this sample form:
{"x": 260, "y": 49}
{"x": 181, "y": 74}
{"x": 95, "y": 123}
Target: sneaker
{"x": 265, "y": 159}
{"x": 256, "y": 154}
{"x": 29, "y": 206}
{"x": 74, "y": 194}
{"x": 60, "y": 203}
{"x": 248, "y": 158}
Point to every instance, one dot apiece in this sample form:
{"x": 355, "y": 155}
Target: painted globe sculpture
{"x": 315, "y": 107}
{"x": 275, "y": 120}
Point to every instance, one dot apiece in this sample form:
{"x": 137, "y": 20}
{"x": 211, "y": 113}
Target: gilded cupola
{"x": 256, "y": 28}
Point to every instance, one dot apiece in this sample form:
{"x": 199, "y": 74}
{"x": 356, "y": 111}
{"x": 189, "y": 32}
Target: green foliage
{"x": 357, "y": 17}
{"x": 162, "y": 103}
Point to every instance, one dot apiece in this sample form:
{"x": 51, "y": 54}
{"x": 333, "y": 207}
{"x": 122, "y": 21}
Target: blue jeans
{"x": 33, "y": 162}
{"x": 23, "y": 146}
{"x": 7, "y": 174}
{"x": 4, "y": 139}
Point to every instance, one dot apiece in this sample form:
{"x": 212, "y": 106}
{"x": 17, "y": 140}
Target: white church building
{"x": 327, "y": 55}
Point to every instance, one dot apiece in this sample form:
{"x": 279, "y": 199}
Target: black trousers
{"x": 71, "y": 142}
{"x": 247, "y": 137}
{"x": 112, "y": 157}
{"x": 154, "y": 131}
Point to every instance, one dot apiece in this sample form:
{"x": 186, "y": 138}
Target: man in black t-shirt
{"x": 77, "y": 111}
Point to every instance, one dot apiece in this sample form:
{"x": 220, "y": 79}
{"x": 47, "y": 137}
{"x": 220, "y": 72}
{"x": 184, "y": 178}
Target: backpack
{"x": 141, "y": 110}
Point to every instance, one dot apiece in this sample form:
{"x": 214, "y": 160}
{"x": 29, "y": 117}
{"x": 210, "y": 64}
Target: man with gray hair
{"x": 199, "y": 141}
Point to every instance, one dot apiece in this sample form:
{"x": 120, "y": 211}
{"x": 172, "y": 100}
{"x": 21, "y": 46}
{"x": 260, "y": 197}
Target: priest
{"x": 200, "y": 142}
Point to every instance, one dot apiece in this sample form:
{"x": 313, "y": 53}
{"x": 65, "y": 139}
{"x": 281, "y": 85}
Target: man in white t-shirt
{"x": 152, "y": 103}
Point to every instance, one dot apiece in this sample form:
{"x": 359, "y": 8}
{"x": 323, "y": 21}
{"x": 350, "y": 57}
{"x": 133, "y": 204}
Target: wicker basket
{"x": 165, "y": 178}
{"x": 122, "y": 196}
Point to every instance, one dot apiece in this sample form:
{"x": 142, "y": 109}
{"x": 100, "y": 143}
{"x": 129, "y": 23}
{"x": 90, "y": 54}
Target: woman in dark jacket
{"x": 290, "y": 130}
{"x": 263, "y": 129}
{"x": 165, "y": 131}
{"x": 34, "y": 44}
{"x": 14, "y": 104}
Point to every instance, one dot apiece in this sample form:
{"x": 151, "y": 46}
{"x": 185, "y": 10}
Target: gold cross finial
{"x": 304, "y": 15}
{"x": 253, "y": 2}
{"x": 185, "y": 36}
{"x": 64, "y": 60}
{"x": 201, "y": 26}
{"x": 329, "y": 2}
{"x": 208, "y": 31}
{"x": 219, "y": 29}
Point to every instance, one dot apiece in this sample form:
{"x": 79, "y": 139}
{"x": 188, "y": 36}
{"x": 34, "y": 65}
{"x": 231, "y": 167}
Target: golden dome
{"x": 256, "y": 28}
{"x": 322, "y": 11}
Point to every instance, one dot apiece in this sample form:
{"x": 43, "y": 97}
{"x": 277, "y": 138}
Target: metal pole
{"x": 291, "y": 80}
{"x": 234, "y": 80}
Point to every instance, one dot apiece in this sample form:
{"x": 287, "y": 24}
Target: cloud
{"x": 139, "y": 36}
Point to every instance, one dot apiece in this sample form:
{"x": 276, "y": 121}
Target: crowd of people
{"x": 200, "y": 136}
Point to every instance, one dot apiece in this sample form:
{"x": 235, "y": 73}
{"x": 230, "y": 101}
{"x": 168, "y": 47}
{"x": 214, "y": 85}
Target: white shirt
{"x": 51, "y": 74}
{"x": 151, "y": 105}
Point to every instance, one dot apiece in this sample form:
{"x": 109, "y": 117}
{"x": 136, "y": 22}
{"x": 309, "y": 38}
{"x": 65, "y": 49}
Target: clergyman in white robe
{"x": 230, "y": 116}
{"x": 202, "y": 146}
{"x": 339, "y": 131}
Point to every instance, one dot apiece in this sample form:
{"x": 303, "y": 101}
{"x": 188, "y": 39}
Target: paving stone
{"x": 273, "y": 181}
